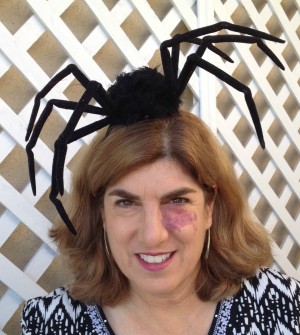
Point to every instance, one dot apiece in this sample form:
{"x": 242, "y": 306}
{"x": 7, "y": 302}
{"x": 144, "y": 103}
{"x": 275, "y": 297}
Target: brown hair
{"x": 239, "y": 245}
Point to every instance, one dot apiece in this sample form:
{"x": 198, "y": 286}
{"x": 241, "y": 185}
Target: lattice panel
{"x": 40, "y": 37}
{"x": 271, "y": 176}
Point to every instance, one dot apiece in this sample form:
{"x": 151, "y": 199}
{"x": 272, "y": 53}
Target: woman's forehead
{"x": 164, "y": 175}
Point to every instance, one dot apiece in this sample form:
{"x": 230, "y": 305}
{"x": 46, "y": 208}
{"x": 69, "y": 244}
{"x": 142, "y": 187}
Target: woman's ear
{"x": 102, "y": 216}
{"x": 210, "y": 205}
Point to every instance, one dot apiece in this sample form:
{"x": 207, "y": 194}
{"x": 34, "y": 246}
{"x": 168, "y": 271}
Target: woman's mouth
{"x": 155, "y": 262}
{"x": 155, "y": 259}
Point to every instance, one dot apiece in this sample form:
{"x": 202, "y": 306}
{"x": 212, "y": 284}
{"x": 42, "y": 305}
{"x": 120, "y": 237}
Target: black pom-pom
{"x": 141, "y": 94}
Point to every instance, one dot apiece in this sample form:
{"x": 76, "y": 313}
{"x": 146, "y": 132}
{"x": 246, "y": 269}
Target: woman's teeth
{"x": 155, "y": 259}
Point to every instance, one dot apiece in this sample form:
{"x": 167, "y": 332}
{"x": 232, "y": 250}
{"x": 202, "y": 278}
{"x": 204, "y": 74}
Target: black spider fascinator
{"x": 139, "y": 95}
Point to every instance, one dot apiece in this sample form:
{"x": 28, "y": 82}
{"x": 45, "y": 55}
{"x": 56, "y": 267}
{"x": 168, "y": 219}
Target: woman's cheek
{"x": 176, "y": 218}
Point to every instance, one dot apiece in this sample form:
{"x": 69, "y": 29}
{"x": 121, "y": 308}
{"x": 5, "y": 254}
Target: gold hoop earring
{"x": 207, "y": 244}
{"x": 105, "y": 242}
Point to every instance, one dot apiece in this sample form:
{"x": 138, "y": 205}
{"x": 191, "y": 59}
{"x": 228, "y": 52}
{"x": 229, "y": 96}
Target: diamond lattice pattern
{"x": 104, "y": 37}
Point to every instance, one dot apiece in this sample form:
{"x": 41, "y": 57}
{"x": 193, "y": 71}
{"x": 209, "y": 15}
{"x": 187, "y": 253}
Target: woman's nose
{"x": 152, "y": 230}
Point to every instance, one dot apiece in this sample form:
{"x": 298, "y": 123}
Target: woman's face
{"x": 156, "y": 219}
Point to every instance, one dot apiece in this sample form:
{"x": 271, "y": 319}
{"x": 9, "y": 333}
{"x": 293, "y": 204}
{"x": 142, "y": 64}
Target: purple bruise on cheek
{"x": 175, "y": 218}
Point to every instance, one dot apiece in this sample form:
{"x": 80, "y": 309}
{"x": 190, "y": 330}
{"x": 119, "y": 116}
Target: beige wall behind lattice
{"x": 103, "y": 37}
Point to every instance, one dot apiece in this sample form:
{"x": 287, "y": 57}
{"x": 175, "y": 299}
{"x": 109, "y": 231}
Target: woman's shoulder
{"x": 269, "y": 282}
{"x": 59, "y": 298}
{"x": 57, "y": 293}
{"x": 267, "y": 303}
{"x": 53, "y": 312}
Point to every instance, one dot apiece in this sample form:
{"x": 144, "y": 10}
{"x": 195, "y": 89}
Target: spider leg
{"x": 189, "y": 67}
{"x": 166, "y": 57}
{"x": 176, "y": 50}
{"x": 72, "y": 68}
{"x": 211, "y": 47}
{"x": 175, "y": 59}
{"x": 62, "y": 141}
{"x": 238, "y": 86}
{"x": 244, "y": 39}
{"x": 217, "y": 27}
{"x": 69, "y": 135}
{"x": 170, "y": 71}
{"x": 170, "y": 62}
{"x": 58, "y": 164}
{"x": 71, "y": 105}
{"x": 87, "y": 130}
{"x": 34, "y": 132}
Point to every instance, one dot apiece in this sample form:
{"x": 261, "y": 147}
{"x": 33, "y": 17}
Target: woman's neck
{"x": 161, "y": 315}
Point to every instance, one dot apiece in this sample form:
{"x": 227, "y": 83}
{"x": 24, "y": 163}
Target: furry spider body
{"x": 127, "y": 106}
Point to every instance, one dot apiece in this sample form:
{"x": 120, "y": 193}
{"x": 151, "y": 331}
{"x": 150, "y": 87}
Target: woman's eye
{"x": 124, "y": 203}
{"x": 179, "y": 201}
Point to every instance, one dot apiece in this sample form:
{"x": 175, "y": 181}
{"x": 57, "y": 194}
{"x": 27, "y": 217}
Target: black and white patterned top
{"x": 267, "y": 304}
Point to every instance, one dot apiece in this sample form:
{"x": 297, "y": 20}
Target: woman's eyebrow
{"x": 123, "y": 194}
{"x": 169, "y": 195}
{"x": 178, "y": 193}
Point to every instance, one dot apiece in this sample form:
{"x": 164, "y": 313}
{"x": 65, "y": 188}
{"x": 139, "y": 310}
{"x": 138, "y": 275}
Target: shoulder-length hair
{"x": 239, "y": 245}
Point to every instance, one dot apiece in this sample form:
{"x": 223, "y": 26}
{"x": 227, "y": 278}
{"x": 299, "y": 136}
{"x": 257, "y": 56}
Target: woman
{"x": 165, "y": 241}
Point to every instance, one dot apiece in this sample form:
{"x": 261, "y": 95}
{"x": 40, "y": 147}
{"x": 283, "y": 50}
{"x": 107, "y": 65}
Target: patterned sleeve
{"x": 55, "y": 313}
{"x": 269, "y": 303}
{"x": 31, "y": 322}
{"x": 285, "y": 297}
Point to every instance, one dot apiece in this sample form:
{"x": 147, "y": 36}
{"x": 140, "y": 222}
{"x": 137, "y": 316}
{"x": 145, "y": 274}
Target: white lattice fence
{"x": 272, "y": 175}
{"x": 39, "y": 37}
